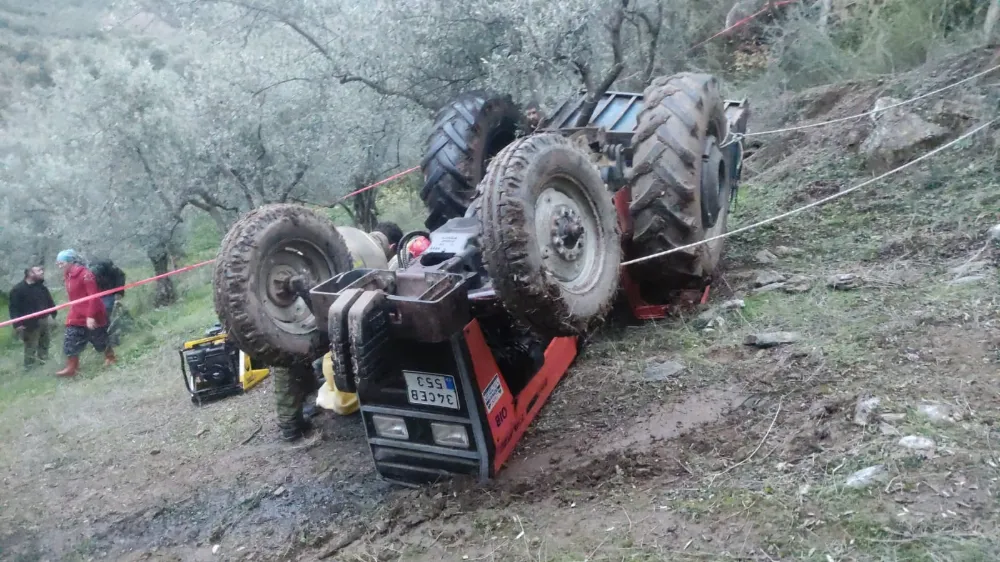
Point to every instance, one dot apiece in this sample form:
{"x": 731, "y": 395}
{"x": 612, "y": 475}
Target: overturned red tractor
{"x": 455, "y": 352}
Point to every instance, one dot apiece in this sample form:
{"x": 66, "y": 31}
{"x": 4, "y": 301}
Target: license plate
{"x": 431, "y": 390}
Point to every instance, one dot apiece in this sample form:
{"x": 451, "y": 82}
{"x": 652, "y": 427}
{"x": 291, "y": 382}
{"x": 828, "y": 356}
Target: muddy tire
{"x": 550, "y": 236}
{"x": 467, "y": 133}
{"x": 676, "y": 151}
{"x": 270, "y": 242}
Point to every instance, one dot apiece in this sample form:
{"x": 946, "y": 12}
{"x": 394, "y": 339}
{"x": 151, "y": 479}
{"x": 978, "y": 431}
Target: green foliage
{"x": 870, "y": 38}
{"x": 399, "y": 202}
{"x": 203, "y": 238}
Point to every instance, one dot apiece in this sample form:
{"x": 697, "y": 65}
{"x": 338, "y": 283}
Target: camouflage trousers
{"x": 36, "y": 343}
{"x": 291, "y": 387}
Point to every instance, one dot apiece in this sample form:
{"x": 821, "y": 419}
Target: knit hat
{"x": 69, "y": 256}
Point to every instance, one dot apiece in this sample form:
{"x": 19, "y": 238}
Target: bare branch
{"x": 283, "y": 197}
{"x": 171, "y": 207}
{"x": 233, "y": 175}
{"x": 346, "y": 78}
{"x": 595, "y": 92}
{"x": 211, "y": 200}
{"x": 343, "y": 76}
{"x": 279, "y": 83}
{"x": 653, "y": 29}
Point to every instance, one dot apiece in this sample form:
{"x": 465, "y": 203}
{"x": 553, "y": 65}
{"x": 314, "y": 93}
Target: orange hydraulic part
{"x": 509, "y": 416}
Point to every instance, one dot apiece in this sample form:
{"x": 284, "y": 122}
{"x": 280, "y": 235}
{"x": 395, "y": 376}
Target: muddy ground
{"x": 745, "y": 453}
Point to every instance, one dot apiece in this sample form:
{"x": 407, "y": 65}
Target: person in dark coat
{"x": 109, "y": 276}
{"x": 87, "y": 322}
{"x": 28, "y": 297}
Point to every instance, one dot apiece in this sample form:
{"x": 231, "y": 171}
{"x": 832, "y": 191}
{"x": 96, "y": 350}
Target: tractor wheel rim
{"x": 712, "y": 184}
{"x": 721, "y": 178}
{"x": 569, "y": 234}
{"x": 286, "y": 309}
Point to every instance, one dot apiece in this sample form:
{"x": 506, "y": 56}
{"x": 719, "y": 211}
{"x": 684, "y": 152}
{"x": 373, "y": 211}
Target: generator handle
{"x": 184, "y": 374}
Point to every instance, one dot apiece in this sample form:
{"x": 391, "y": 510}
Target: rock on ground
{"x": 765, "y": 257}
{"x": 797, "y": 284}
{"x": 899, "y": 136}
{"x": 733, "y": 304}
{"x": 917, "y": 443}
{"x": 865, "y": 409}
{"x": 887, "y": 429}
{"x": 660, "y": 371}
{"x": 968, "y": 280}
{"x": 843, "y": 281}
{"x": 994, "y": 233}
{"x": 786, "y": 251}
{"x": 771, "y": 339}
{"x": 866, "y": 476}
{"x": 936, "y": 412}
{"x": 765, "y": 278}
{"x": 968, "y": 268}
{"x": 770, "y": 288}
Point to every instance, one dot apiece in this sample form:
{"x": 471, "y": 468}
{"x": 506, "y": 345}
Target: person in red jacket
{"x": 87, "y": 322}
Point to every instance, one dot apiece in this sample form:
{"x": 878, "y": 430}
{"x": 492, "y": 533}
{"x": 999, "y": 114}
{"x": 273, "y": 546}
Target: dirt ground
{"x": 744, "y": 454}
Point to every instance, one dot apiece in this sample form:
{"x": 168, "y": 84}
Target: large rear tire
{"x": 267, "y": 245}
{"x": 681, "y": 185}
{"x": 467, "y": 133}
{"x": 550, "y": 236}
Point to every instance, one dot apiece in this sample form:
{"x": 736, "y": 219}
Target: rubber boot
{"x": 72, "y": 364}
{"x": 305, "y": 425}
{"x": 290, "y": 433}
{"x": 109, "y": 357}
{"x": 298, "y": 429}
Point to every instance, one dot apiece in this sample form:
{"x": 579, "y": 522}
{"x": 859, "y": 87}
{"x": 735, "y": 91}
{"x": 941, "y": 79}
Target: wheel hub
{"x": 567, "y": 233}
{"x": 279, "y": 287}
{"x": 294, "y": 261}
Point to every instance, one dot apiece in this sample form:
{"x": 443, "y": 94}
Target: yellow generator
{"x": 215, "y": 368}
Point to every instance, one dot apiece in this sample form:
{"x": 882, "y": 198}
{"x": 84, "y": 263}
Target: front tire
{"x": 549, "y": 236}
{"x": 267, "y": 245}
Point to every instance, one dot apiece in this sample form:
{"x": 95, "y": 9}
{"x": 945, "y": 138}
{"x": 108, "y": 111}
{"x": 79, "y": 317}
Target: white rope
{"x": 874, "y": 111}
{"x": 819, "y": 202}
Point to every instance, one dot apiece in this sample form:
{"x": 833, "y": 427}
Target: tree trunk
{"x": 992, "y": 18}
{"x": 166, "y": 294}
{"x": 824, "y": 14}
{"x": 220, "y": 221}
{"x": 365, "y": 211}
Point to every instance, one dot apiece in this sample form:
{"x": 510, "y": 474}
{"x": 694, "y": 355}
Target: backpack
{"x": 108, "y": 275}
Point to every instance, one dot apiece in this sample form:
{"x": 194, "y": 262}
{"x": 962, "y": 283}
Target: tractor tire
{"x": 467, "y": 133}
{"x": 549, "y": 236}
{"x": 676, "y": 151}
{"x": 267, "y": 323}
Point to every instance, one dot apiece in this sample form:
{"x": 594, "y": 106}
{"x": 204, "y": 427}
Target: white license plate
{"x": 431, "y": 390}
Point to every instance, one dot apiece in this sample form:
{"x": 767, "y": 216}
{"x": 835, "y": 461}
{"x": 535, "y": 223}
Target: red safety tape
{"x": 184, "y": 269}
{"x": 104, "y": 293}
{"x": 383, "y": 182}
{"x": 743, "y": 22}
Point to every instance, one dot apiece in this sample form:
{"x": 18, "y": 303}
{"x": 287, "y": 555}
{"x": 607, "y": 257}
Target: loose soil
{"x": 745, "y": 454}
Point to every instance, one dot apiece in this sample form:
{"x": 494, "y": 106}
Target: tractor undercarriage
{"x": 454, "y": 354}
